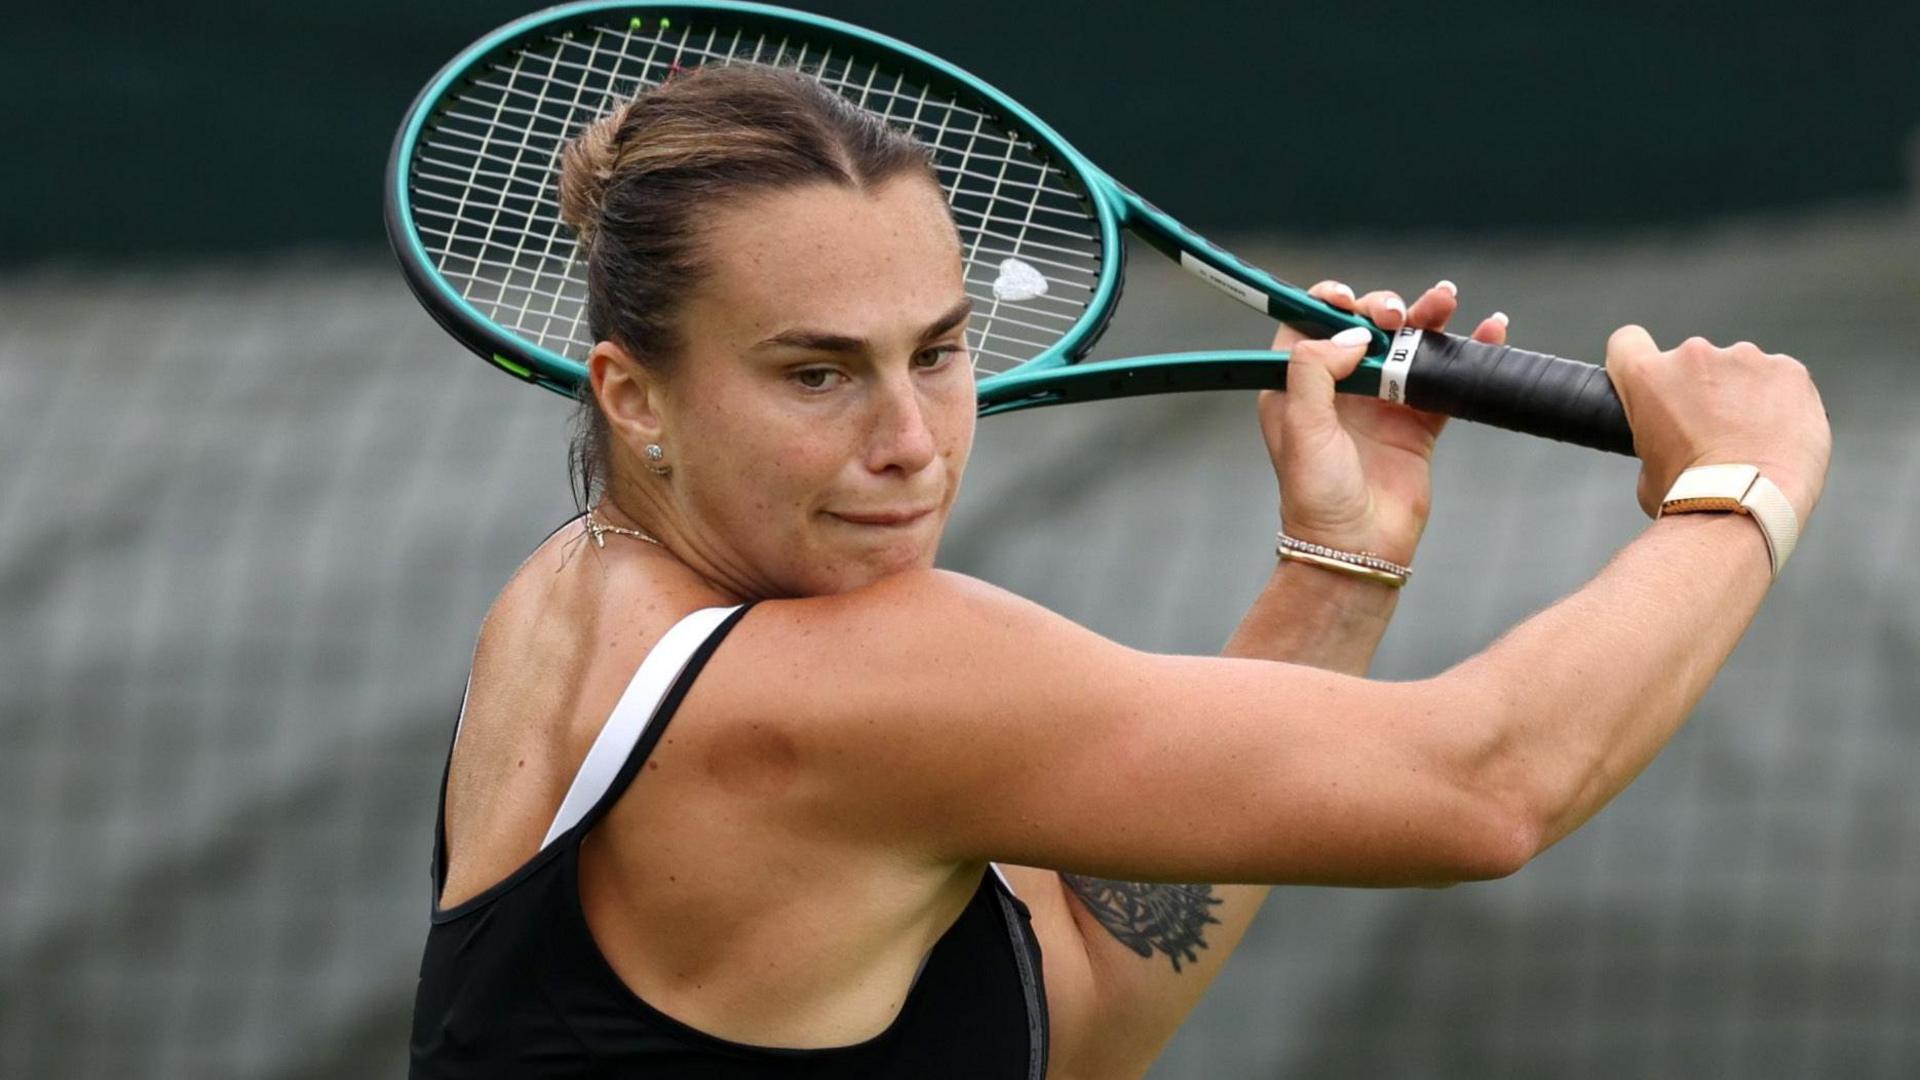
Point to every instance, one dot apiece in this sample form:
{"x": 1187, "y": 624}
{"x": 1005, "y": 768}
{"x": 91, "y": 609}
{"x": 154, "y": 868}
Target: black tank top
{"x": 513, "y": 985}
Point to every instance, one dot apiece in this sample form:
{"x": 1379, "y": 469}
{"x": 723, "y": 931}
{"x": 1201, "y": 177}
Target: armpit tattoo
{"x": 1149, "y": 918}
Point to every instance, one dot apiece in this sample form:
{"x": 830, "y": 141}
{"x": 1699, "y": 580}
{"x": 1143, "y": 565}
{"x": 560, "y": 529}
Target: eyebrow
{"x": 826, "y": 341}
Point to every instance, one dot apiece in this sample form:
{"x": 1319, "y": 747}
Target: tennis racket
{"x": 472, "y": 214}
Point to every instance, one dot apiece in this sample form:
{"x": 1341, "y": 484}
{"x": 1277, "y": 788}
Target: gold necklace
{"x": 599, "y": 530}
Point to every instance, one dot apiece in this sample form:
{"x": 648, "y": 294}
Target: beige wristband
{"x": 1738, "y": 489}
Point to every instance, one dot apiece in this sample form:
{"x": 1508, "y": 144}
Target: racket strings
{"x": 483, "y": 192}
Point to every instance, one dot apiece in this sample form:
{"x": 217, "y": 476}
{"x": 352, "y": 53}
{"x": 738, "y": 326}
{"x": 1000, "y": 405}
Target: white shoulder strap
{"x": 634, "y": 712}
{"x": 1008, "y": 885}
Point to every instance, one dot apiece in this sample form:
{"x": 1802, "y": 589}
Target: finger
{"x": 1333, "y": 292}
{"x": 1434, "y": 307}
{"x": 1630, "y": 340}
{"x": 1492, "y": 329}
{"x": 1312, "y": 372}
{"x": 1385, "y": 308}
{"x": 1627, "y": 349}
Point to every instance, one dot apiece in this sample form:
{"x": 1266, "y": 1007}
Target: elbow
{"x": 1503, "y": 815}
{"x": 1498, "y": 844}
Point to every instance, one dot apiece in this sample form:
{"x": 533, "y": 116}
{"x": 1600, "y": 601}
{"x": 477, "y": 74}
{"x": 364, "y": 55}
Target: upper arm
{"x": 944, "y": 717}
{"x": 1112, "y": 1008}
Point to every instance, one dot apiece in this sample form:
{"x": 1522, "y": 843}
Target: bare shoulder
{"x": 907, "y": 613}
{"x": 602, "y": 613}
{"x": 928, "y": 712}
{"x": 914, "y": 593}
{"x": 919, "y": 649}
{"x": 557, "y": 647}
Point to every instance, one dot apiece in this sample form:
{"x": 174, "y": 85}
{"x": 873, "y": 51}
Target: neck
{"x": 648, "y": 508}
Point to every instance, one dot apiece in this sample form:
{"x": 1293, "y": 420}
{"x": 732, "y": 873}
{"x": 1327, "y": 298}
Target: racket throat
{"x": 1226, "y": 283}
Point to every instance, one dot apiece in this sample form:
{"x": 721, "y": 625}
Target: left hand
{"x": 1353, "y": 470}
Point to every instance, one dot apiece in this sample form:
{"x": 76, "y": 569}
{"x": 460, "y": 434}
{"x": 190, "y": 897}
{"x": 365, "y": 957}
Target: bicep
{"x": 945, "y": 717}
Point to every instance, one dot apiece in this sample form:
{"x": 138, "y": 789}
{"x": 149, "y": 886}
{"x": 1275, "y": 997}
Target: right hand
{"x": 1699, "y": 404}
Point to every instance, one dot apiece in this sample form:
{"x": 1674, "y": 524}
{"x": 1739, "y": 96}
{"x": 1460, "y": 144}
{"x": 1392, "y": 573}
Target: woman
{"x": 751, "y": 790}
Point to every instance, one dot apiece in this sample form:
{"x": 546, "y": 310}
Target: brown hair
{"x": 635, "y": 184}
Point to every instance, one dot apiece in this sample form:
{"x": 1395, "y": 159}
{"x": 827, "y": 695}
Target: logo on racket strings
{"x": 1018, "y": 281}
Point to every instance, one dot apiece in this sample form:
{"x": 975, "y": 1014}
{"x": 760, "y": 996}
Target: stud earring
{"x": 656, "y": 460}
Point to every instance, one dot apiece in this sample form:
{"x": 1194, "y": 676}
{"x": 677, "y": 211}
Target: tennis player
{"x": 743, "y": 787}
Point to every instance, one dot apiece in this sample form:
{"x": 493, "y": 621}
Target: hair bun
{"x": 586, "y": 170}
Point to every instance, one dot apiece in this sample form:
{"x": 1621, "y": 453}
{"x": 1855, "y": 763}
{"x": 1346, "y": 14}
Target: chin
{"x": 865, "y": 568}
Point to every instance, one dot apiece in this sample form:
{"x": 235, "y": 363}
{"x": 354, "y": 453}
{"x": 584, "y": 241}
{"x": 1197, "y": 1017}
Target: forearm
{"x": 1320, "y": 618}
{"x": 1584, "y": 694}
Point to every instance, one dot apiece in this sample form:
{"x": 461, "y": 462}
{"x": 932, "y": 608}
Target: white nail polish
{"x": 1394, "y": 303}
{"x": 1499, "y": 317}
{"x": 1447, "y": 287}
{"x": 1341, "y": 288}
{"x": 1351, "y": 336}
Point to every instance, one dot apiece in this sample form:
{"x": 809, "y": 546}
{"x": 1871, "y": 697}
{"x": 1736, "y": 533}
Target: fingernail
{"x": 1393, "y": 303}
{"x": 1499, "y": 317}
{"x": 1447, "y": 287}
{"x": 1351, "y": 336}
{"x": 1341, "y": 288}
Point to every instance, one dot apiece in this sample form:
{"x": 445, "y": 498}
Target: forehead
{"x": 829, "y": 254}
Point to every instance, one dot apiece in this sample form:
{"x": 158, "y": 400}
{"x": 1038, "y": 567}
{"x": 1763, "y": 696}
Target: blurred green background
{"x": 254, "y": 505}
{"x": 203, "y": 127}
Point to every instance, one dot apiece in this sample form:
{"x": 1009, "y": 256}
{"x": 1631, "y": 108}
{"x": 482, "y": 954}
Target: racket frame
{"x": 1054, "y": 376}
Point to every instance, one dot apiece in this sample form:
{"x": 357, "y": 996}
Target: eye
{"x": 928, "y": 359}
{"x": 815, "y": 378}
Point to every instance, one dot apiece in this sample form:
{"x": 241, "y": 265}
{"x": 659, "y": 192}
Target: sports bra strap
{"x": 638, "y": 705}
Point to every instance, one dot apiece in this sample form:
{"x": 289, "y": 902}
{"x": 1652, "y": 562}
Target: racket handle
{"x": 1528, "y": 392}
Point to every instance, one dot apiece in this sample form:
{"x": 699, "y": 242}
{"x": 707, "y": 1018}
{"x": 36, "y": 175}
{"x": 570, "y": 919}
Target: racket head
{"x": 471, "y": 190}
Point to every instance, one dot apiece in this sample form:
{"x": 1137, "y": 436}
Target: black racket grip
{"x": 1528, "y": 392}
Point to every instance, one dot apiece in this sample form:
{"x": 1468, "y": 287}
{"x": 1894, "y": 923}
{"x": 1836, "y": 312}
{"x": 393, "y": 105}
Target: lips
{"x": 881, "y": 517}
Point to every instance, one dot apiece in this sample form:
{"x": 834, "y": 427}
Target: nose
{"x": 902, "y": 438}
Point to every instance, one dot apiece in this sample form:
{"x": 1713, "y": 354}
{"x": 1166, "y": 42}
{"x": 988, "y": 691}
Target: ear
{"x": 632, "y": 397}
